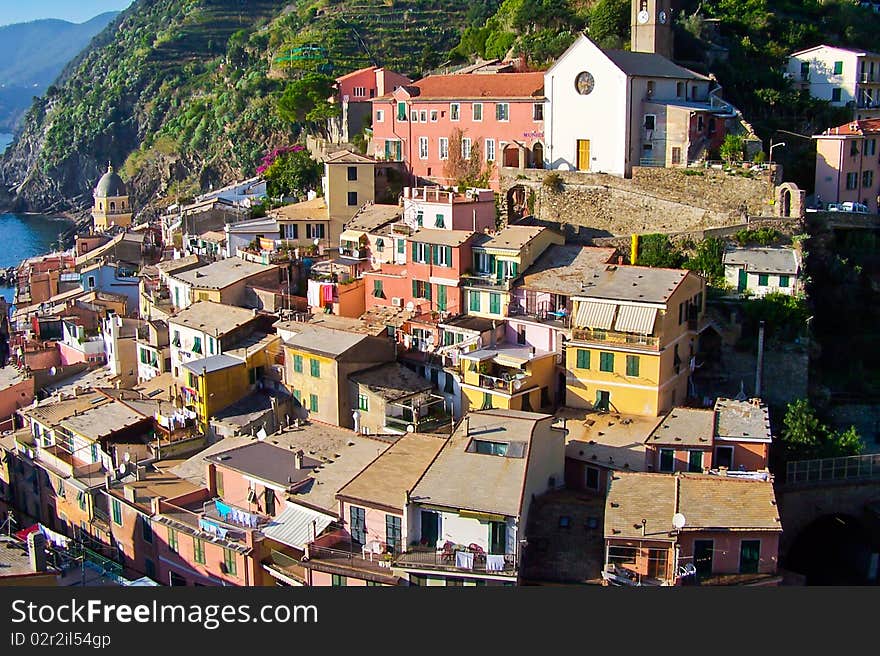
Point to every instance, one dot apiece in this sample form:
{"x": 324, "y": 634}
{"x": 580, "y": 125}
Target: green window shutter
{"x": 428, "y": 291}
{"x": 414, "y": 251}
{"x": 415, "y": 288}
{"x": 434, "y": 253}
{"x": 315, "y": 368}
{"x": 448, "y": 256}
{"x": 495, "y": 303}
{"x": 475, "y": 301}
{"x": 606, "y": 362}
{"x": 313, "y": 403}
{"x": 632, "y": 365}
{"x": 514, "y": 269}
{"x": 401, "y": 246}
{"x": 401, "y": 111}
{"x": 583, "y": 359}
{"x": 784, "y": 281}
{"x": 499, "y": 269}
{"x": 298, "y": 363}
{"x": 763, "y": 279}
{"x": 441, "y": 298}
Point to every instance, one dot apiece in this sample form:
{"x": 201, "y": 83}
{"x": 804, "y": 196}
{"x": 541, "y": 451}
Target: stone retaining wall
{"x": 654, "y": 200}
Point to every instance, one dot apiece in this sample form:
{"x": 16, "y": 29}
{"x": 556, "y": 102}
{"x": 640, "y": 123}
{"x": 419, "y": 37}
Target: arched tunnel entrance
{"x": 835, "y": 550}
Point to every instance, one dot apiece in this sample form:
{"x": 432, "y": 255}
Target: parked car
{"x": 848, "y": 206}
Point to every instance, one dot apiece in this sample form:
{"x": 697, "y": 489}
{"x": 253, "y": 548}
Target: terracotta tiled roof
{"x": 857, "y": 128}
{"x": 707, "y": 502}
{"x": 499, "y": 85}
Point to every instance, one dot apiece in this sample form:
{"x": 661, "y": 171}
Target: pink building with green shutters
{"x": 502, "y": 114}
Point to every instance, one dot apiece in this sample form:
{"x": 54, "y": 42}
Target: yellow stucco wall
{"x": 541, "y": 376}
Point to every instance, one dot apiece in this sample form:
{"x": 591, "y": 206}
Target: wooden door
{"x": 583, "y": 155}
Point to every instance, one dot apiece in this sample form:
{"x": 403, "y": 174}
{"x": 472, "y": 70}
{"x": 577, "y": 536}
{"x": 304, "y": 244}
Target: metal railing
{"x": 486, "y": 280}
{"x": 833, "y": 469}
{"x": 612, "y": 337}
{"x": 448, "y": 560}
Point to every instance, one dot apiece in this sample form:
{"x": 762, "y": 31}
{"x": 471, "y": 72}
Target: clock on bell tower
{"x": 652, "y": 27}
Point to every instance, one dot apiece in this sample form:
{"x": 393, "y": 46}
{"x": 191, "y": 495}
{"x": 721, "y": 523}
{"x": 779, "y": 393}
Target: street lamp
{"x": 772, "y": 146}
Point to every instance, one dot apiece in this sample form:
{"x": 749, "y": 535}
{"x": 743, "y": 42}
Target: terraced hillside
{"x": 181, "y": 91}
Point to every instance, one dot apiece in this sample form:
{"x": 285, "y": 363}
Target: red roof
{"x": 495, "y": 85}
{"x": 357, "y": 72}
{"x": 858, "y": 128}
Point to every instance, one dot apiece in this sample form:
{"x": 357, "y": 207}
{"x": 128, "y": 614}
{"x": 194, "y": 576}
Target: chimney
{"x": 36, "y": 543}
{"x": 130, "y": 494}
{"x": 156, "y": 505}
{"x": 298, "y": 459}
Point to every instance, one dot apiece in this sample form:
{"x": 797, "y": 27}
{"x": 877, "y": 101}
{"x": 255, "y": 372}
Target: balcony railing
{"x": 356, "y": 558}
{"x": 449, "y": 561}
{"x": 421, "y": 425}
{"x": 613, "y": 337}
{"x": 486, "y": 280}
{"x": 508, "y": 385}
{"x": 833, "y": 469}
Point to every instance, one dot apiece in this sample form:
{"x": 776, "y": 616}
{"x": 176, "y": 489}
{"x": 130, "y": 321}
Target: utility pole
{"x": 760, "y": 364}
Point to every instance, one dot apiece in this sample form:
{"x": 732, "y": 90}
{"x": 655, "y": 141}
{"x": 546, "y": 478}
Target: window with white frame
{"x": 538, "y": 112}
{"x": 423, "y": 116}
{"x": 454, "y": 111}
{"x": 414, "y": 115}
{"x": 490, "y": 150}
{"x": 502, "y": 111}
{"x": 421, "y": 253}
{"x": 434, "y": 115}
{"x": 423, "y": 147}
{"x": 444, "y": 148}
{"x": 359, "y": 92}
{"x": 466, "y": 147}
{"x": 380, "y": 116}
{"x": 478, "y": 111}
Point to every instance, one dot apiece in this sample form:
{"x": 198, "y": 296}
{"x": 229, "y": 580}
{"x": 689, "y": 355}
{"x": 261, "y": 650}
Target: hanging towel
{"x": 222, "y": 508}
{"x": 327, "y": 291}
{"x": 494, "y": 563}
{"x": 314, "y": 294}
{"x": 464, "y": 559}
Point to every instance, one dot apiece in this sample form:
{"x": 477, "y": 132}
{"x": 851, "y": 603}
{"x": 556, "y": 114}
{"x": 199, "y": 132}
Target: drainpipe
{"x": 760, "y": 365}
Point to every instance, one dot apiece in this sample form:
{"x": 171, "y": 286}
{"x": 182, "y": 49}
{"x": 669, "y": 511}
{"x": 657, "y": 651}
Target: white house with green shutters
{"x": 758, "y": 271}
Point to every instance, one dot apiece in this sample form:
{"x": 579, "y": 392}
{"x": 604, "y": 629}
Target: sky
{"x": 75, "y": 11}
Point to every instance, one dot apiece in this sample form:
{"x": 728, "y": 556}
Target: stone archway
{"x": 790, "y": 201}
{"x": 516, "y": 203}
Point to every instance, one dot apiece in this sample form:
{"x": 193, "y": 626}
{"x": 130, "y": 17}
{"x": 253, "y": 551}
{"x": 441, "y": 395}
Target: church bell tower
{"x": 652, "y": 27}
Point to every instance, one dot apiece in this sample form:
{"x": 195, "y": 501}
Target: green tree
{"x": 805, "y": 437}
{"x": 610, "y": 22}
{"x": 305, "y": 101}
{"x": 707, "y": 261}
{"x": 732, "y": 148}
{"x": 293, "y": 173}
{"x": 655, "y": 250}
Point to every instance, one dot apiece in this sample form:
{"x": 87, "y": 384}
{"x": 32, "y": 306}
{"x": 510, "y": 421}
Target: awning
{"x": 594, "y": 315}
{"x": 296, "y": 526}
{"x": 636, "y": 319}
{"x": 351, "y": 235}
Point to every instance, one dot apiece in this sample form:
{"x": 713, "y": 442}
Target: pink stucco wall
{"x": 726, "y": 549}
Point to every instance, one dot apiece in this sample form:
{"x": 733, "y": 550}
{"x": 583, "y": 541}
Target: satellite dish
{"x": 261, "y": 434}
{"x": 52, "y": 371}
{"x": 410, "y": 306}
{"x": 517, "y": 384}
{"x": 678, "y": 521}
{"x": 410, "y": 428}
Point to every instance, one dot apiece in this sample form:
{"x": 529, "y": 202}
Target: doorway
{"x": 703, "y": 557}
{"x": 583, "y": 154}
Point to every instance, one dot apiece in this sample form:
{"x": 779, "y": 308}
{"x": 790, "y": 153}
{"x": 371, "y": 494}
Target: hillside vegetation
{"x": 186, "y": 93}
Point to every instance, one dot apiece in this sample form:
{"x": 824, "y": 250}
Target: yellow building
{"x": 498, "y": 260}
{"x": 213, "y": 383}
{"x": 507, "y": 377}
{"x": 349, "y": 183}
{"x": 111, "y": 202}
{"x": 318, "y": 362}
{"x": 633, "y": 332}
